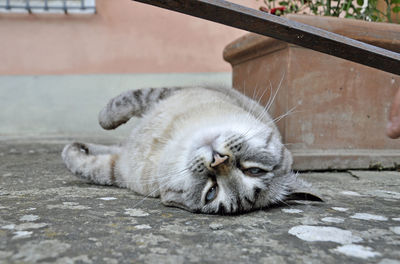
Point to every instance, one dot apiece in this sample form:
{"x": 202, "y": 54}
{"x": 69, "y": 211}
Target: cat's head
{"x": 228, "y": 169}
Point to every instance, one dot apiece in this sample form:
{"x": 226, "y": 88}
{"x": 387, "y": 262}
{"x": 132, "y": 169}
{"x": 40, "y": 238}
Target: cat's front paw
{"x": 74, "y": 148}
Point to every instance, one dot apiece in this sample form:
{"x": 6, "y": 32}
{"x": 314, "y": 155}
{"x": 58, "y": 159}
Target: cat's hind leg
{"x": 92, "y": 162}
{"x": 131, "y": 103}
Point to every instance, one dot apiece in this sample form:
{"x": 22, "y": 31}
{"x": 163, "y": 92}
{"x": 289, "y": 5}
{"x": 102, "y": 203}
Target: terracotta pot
{"x": 382, "y": 6}
{"x": 341, "y": 107}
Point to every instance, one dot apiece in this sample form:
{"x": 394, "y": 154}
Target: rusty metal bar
{"x": 252, "y": 20}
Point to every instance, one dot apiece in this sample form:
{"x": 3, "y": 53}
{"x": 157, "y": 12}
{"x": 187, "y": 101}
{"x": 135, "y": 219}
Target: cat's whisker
{"x": 293, "y": 144}
{"x": 277, "y": 119}
{"x": 289, "y": 112}
{"x": 262, "y": 95}
{"x": 263, "y": 113}
{"x": 267, "y": 106}
{"x": 277, "y": 90}
{"x": 164, "y": 177}
{"x": 254, "y": 93}
{"x": 153, "y": 192}
{"x": 269, "y": 102}
{"x": 147, "y": 196}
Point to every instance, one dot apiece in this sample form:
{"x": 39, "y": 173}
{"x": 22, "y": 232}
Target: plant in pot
{"x": 341, "y": 107}
{"x": 369, "y": 10}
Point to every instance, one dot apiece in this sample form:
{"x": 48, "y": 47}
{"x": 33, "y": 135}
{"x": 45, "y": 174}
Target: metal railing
{"x": 51, "y": 6}
{"x": 281, "y": 28}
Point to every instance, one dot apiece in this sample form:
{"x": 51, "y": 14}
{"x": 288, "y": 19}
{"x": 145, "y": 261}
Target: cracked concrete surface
{"x": 49, "y": 216}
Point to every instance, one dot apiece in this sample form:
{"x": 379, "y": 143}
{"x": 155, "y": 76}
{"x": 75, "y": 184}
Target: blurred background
{"x": 61, "y": 61}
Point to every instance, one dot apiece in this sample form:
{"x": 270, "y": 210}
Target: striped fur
{"x": 171, "y": 151}
{"x": 131, "y": 103}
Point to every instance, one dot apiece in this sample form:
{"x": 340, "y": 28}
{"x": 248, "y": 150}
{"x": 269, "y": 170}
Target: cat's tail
{"x": 95, "y": 163}
{"x": 131, "y": 103}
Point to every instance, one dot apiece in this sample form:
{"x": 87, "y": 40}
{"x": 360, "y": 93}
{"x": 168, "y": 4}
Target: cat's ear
{"x": 304, "y": 196}
{"x": 303, "y": 191}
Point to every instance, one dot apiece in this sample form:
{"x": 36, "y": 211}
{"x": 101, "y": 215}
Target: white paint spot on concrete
{"x": 33, "y": 251}
{"x": 135, "y": 212}
{"x": 365, "y": 216}
{"x": 292, "y": 211}
{"x": 84, "y": 259}
{"x": 333, "y": 219}
{"x": 24, "y": 226}
{"x": 396, "y": 219}
{"x": 112, "y": 261}
{"x": 395, "y": 229}
{"x": 31, "y": 209}
{"x": 386, "y": 194}
{"x": 29, "y": 218}
{"x": 4, "y": 192}
{"x": 107, "y": 198}
{"x": 350, "y": 193}
{"x": 68, "y": 205}
{"x": 110, "y": 213}
{"x": 13, "y": 150}
{"x": 390, "y": 200}
{"x": 5, "y": 254}
{"x": 158, "y": 250}
{"x": 8, "y": 227}
{"x": 324, "y": 233}
{"x": 22, "y": 234}
{"x": 142, "y": 227}
{"x": 357, "y": 251}
{"x": 30, "y": 226}
{"x": 216, "y": 226}
{"x": 240, "y": 230}
{"x": 340, "y": 209}
{"x": 389, "y": 261}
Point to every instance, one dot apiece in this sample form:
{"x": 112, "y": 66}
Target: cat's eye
{"x": 211, "y": 193}
{"x": 254, "y": 172}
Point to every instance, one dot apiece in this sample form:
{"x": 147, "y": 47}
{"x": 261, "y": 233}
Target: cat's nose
{"x": 218, "y": 159}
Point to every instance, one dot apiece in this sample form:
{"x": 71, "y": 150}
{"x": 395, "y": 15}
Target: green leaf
{"x": 395, "y": 2}
{"x": 396, "y": 9}
{"x": 283, "y": 3}
{"x": 360, "y": 2}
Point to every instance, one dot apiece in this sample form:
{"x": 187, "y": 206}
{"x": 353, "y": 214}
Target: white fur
{"x": 185, "y": 128}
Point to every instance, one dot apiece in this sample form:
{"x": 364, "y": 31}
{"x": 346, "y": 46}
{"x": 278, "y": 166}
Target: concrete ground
{"x": 49, "y": 216}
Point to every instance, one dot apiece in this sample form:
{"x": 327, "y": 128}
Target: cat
{"x": 202, "y": 149}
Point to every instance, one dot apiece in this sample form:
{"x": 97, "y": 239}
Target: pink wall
{"x": 123, "y": 37}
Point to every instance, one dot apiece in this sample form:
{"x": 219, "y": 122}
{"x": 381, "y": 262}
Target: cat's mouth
{"x": 220, "y": 163}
